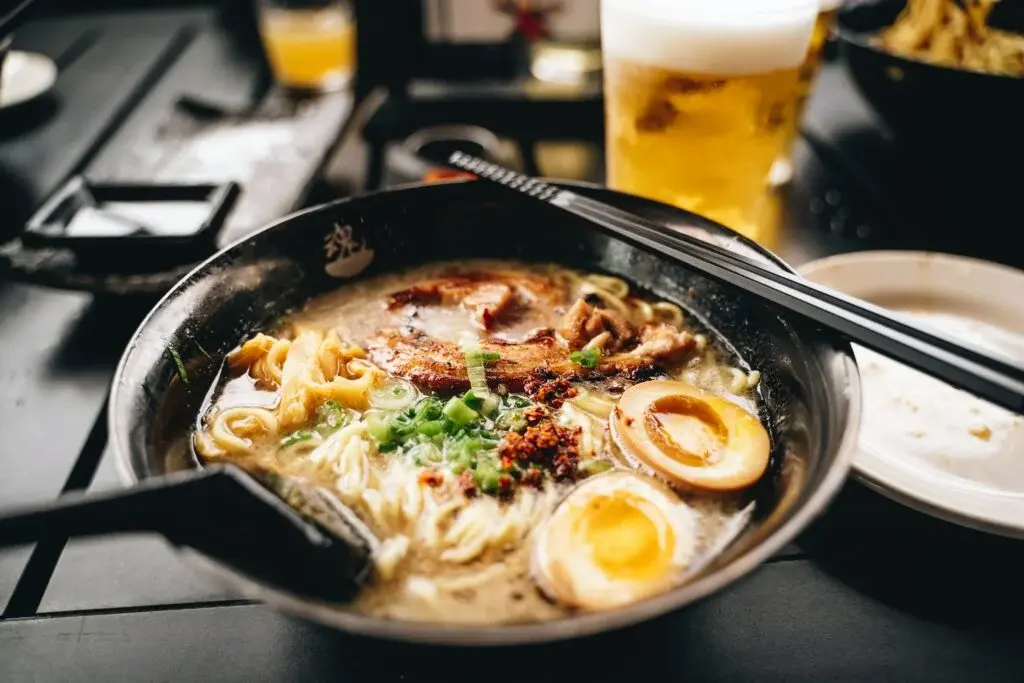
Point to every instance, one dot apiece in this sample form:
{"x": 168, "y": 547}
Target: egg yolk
{"x": 686, "y": 429}
{"x": 690, "y": 437}
{"x": 626, "y": 542}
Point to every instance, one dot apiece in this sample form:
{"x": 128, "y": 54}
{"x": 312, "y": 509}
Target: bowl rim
{"x": 460, "y": 635}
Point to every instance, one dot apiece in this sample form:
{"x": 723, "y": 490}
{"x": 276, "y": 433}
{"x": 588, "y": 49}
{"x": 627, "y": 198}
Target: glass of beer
{"x": 782, "y": 171}
{"x": 697, "y": 96}
{"x": 310, "y": 44}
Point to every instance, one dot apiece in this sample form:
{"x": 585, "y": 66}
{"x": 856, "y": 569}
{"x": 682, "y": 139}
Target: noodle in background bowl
{"x": 809, "y": 381}
{"x": 953, "y": 116}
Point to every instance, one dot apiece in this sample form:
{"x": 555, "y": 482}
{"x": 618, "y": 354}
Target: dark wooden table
{"x": 872, "y": 592}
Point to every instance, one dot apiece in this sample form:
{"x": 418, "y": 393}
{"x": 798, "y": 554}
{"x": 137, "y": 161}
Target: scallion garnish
{"x": 180, "y": 366}
{"x": 456, "y": 433}
{"x": 517, "y": 401}
{"x": 587, "y": 358}
{"x": 475, "y": 366}
{"x": 475, "y": 361}
{"x": 380, "y": 427}
{"x": 394, "y": 394}
{"x": 332, "y": 416}
{"x": 472, "y": 400}
{"x": 458, "y": 412}
{"x": 593, "y": 466}
{"x": 296, "y": 437}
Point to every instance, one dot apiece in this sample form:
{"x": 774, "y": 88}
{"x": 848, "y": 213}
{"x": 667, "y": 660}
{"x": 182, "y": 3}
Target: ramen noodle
{"x": 941, "y": 32}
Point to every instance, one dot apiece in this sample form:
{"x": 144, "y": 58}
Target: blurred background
{"x": 292, "y": 102}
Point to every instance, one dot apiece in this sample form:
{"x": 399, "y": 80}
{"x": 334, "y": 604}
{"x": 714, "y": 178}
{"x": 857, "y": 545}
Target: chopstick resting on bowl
{"x": 998, "y": 381}
{"x": 15, "y": 17}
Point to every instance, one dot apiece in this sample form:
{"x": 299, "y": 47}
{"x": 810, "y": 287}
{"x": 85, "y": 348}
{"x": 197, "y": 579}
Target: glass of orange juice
{"x": 310, "y": 44}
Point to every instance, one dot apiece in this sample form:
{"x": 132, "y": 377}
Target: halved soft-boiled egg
{"x": 617, "y": 538}
{"x": 689, "y": 437}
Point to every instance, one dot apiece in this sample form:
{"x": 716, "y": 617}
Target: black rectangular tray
{"x": 137, "y": 238}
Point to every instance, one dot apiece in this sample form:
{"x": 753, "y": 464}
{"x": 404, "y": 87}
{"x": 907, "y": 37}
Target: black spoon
{"x": 281, "y": 530}
{"x": 996, "y": 380}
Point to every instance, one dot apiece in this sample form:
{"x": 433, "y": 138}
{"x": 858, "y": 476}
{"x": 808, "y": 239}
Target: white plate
{"x": 923, "y": 443}
{"x": 26, "y": 76}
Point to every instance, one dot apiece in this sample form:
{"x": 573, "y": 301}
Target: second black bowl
{"x": 943, "y": 112}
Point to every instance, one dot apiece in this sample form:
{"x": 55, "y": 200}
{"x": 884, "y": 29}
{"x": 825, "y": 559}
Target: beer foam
{"x": 722, "y": 37}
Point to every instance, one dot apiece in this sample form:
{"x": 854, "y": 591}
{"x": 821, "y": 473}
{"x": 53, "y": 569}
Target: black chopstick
{"x": 992, "y": 379}
{"x": 806, "y": 287}
{"x": 593, "y": 209}
{"x": 14, "y": 18}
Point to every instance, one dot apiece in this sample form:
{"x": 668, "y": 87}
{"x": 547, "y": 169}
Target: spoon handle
{"x": 152, "y": 505}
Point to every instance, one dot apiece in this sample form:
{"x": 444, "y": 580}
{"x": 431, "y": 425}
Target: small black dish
{"x": 134, "y": 226}
{"x": 950, "y": 115}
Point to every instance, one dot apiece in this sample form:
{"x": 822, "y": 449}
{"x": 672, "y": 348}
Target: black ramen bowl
{"x": 941, "y": 112}
{"x": 810, "y": 387}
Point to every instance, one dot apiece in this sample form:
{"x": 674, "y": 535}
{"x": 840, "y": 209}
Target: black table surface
{"x": 173, "y": 95}
{"x": 871, "y": 592}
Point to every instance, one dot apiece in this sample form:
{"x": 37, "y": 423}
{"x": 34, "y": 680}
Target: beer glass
{"x": 782, "y": 171}
{"x": 697, "y": 97}
{"x": 310, "y": 44}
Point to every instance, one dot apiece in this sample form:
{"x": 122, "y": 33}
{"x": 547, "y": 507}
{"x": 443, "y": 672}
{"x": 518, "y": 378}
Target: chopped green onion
{"x": 425, "y": 454}
{"x": 517, "y": 401}
{"x": 451, "y": 433}
{"x": 472, "y": 400}
{"x": 452, "y": 428}
{"x": 490, "y": 356}
{"x": 488, "y": 404}
{"x": 459, "y": 413}
{"x": 180, "y": 366}
{"x": 511, "y": 421}
{"x": 394, "y": 394}
{"x": 478, "y": 389}
{"x": 296, "y": 437}
{"x": 380, "y": 427}
{"x": 587, "y": 358}
{"x": 492, "y": 402}
{"x": 475, "y": 365}
{"x": 331, "y": 416}
{"x": 487, "y": 478}
{"x": 431, "y": 428}
{"x": 589, "y": 467}
{"x": 328, "y": 410}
